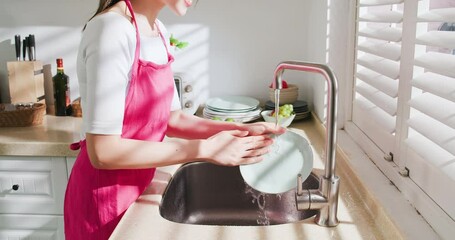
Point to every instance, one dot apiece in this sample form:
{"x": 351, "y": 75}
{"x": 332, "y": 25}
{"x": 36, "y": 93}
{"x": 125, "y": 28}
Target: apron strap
{"x": 77, "y": 145}
{"x": 169, "y": 55}
{"x": 138, "y": 48}
{"x": 138, "y": 42}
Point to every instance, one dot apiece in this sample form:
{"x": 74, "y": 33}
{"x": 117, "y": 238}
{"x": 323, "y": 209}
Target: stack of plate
{"x": 238, "y": 108}
{"x": 301, "y": 109}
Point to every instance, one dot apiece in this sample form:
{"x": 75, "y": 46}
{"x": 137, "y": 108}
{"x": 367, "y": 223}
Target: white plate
{"x": 232, "y": 103}
{"x": 289, "y": 155}
{"x": 230, "y": 110}
{"x": 254, "y": 112}
{"x": 236, "y": 119}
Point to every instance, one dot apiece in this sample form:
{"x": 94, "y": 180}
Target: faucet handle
{"x": 299, "y": 185}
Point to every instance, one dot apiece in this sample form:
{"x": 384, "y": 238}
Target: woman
{"x": 130, "y": 103}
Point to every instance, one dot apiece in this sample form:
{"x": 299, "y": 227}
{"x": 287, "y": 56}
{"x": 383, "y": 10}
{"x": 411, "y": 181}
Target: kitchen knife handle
{"x": 24, "y": 48}
{"x": 17, "y": 44}
{"x": 31, "y": 44}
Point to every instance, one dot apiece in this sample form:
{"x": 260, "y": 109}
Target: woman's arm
{"x": 228, "y": 148}
{"x": 192, "y": 127}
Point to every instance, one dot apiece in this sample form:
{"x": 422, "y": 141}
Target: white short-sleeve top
{"x": 105, "y": 57}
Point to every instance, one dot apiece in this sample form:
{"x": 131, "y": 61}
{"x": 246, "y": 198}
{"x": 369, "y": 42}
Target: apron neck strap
{"x": 133, "y": 18}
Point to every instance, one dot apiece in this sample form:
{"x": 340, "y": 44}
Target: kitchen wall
{"x": 57, "y": 26}
{"x": 234, "y": 45}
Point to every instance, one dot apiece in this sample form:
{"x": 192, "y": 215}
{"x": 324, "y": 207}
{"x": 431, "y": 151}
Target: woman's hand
{"x": 262, "y": 128}
{"x": 232, "y": 148}
{"x": 192, "y": 127}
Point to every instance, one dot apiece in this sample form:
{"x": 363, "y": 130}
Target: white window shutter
{"x": 431, "y": 134}
{"x": 378, "y": 70}
{"x": 404, "y": 97}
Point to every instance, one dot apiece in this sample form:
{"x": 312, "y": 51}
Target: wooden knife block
{"x": 26, "y": 81}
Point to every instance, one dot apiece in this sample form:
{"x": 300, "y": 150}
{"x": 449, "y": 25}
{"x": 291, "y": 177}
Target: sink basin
{"x": 207, "y": 194}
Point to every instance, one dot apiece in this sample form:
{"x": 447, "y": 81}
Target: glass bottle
{"x": 61, "y": 91}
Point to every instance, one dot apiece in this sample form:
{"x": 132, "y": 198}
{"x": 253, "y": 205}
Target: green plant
{"x": 176, "y": 43}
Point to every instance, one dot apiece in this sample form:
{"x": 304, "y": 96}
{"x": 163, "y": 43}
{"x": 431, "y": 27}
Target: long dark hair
{"x": 103, "y": 5}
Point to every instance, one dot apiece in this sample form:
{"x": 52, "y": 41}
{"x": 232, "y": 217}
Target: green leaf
{"x": 182, "y": 45}
{"x": 173, "y": 40}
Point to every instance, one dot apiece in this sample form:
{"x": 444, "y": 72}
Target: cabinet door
{"x": 31, "y": 227}
{"x": 34, "y": 185}
{"x": 69, "y": 164}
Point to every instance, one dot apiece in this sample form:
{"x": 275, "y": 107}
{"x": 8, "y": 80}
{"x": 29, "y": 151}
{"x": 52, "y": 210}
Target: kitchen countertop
{"x": 360, "y": 216}
{"x": 52, "y": 138}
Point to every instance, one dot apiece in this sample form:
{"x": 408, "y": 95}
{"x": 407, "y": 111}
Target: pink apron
{"x": 96, "y": 199}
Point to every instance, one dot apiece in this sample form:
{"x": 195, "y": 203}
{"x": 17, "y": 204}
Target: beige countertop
{"x": 360, "y": 216}
{"x": 52, "y": 138}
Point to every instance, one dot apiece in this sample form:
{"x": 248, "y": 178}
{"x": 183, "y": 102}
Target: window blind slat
{"x": 379, "y": 81}
{"x": 386, "y": 50}
{"x": 376, "y": 114}
{"x": 436, "y": 62}
{"x": 438, "y": 15}
{"x": 444, "y": 39}
{"x": 435, "y": 131}
{"x": 436, "y": 84}
{"x": 369, "y": 3}
{"x": 433, "y": 154}
{"x": 436, "y": 107}
{"x": 382, "y": 17}
{"x": 386, "y": 103}
{"x": 387, "y": 34}
{"x": 384, "y": 66}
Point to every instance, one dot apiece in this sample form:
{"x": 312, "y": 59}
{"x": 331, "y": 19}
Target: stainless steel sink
{"x": 207, "y": 194}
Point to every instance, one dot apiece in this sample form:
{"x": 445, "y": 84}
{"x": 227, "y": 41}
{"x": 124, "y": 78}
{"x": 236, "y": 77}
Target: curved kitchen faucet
{"x": 324, "y": 199}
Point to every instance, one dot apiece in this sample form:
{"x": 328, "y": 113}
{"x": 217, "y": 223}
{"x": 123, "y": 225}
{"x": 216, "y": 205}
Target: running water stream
{"x": 276, "y": 145}
{"x": 258, "y": 197}
{"x": 277, "y": 106}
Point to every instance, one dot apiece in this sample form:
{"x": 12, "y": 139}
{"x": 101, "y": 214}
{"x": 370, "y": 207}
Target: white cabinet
{"x": 32, "y": 191}
{"x": 69, "y": 164}
{"x": 31, "y": 227}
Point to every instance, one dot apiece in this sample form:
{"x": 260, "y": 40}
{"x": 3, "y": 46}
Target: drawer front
{"x": 31, "y": 227}
{"x": 33, "y": 185}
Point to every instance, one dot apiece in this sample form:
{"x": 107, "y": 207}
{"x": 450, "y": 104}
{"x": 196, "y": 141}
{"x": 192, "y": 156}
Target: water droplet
{"x": 261, "y": 204}
{"x": 279, "y": 196}
{"x": 260, "y": 198}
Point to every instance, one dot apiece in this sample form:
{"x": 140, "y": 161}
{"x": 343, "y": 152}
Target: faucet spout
{"x": 332, "y": 103}
{"x": 327, "y": 194}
